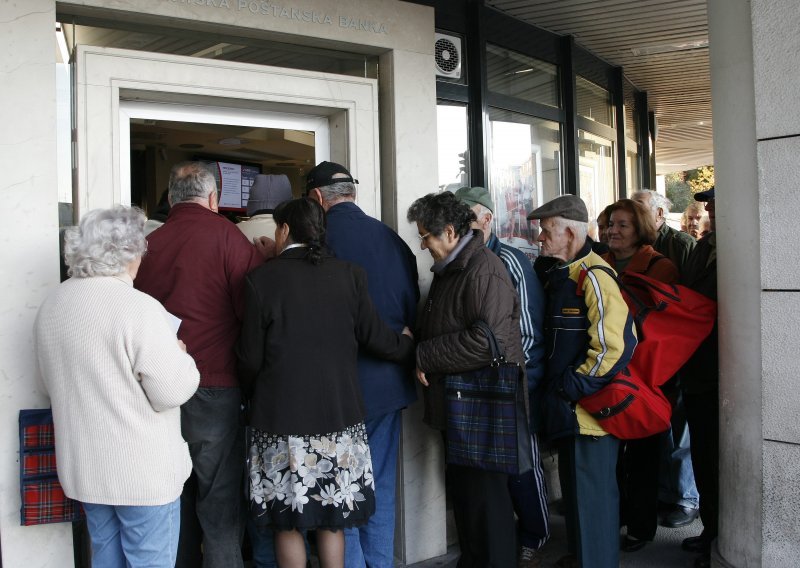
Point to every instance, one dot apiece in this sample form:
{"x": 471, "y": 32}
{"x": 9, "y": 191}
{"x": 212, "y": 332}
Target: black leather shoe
{"x": 680, "y": 517}
{"x": 697, "y": 544}
{"x": 631, "y": 544}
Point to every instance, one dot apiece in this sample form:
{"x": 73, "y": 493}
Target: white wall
{"x": 28, "y": 254}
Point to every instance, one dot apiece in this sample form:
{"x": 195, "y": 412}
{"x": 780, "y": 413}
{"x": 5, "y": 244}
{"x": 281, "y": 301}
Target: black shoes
{"x": 631, "y": 544}
{"x": 680, "y": 517}
{"x": 697, "y": 544}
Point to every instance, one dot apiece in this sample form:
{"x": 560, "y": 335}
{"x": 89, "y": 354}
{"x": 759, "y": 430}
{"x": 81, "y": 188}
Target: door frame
{"x": 109, "y": 82}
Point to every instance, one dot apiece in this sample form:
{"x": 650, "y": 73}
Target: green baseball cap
{"x": 475, "y": 196}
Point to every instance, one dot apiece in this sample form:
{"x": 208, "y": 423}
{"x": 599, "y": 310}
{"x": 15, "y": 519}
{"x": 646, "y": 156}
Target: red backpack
{"x": 671, "y": 322}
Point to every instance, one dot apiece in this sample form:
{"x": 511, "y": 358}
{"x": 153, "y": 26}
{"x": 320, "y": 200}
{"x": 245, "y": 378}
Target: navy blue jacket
{"x": 392, "y": 282}
{"x": 532, "y": 309}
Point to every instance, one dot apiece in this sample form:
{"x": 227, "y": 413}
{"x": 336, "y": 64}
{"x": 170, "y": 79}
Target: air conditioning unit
{"x": 448, "y": 55}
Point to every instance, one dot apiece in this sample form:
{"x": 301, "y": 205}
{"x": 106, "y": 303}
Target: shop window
{"x": 632, "y": 175}
{"x": 596, "y": 172}
{"x": 594, "y": 102}
{"x": 524, "y": 172}
{"x": 520, "y": 76}
{"x": 454, "y": 158}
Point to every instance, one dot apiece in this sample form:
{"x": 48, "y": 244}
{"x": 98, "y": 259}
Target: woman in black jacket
{"x": 470, "y": 283}
{"x": 307, "y": 313}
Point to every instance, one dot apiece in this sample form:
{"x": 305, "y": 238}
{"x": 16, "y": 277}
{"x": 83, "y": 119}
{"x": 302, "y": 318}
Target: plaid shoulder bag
{"x": 43, "y": 500}
{"x": 487, "y": 421}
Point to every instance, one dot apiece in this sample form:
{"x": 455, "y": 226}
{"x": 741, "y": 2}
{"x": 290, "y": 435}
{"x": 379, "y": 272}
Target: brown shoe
{"x": 528, "y": 558}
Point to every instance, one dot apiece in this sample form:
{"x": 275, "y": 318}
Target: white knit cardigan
{"x": 116, "y": 379}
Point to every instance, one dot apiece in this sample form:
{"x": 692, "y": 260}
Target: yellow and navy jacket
{"x": 590, "y": 337}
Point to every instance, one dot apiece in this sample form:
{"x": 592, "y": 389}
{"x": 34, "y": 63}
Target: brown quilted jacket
{"x": 474, "y": 286}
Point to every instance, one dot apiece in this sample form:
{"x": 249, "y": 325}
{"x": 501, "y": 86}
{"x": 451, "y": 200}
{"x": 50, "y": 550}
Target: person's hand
{"x": 407, "y": 332}
{"x": 421, "y": 376}
{"x": 182, "y": 345}
{"x": 266, "y": 247}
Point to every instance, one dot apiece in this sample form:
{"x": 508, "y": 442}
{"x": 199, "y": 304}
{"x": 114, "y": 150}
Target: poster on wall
{"x": 233, "y": 182}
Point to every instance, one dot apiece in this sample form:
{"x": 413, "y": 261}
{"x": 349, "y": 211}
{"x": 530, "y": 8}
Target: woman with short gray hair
{"x": 116, "y": 375}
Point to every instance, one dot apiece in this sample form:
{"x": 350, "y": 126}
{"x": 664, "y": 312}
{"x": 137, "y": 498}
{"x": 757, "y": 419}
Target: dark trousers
{"x": 529, "y": 498}
{"x": 702, "y": 413}
{"x": 639, "y": 486}
{"x": 587, "y": 469}
{"x": 484, "y": 517}
{"x": 212, "y": 500}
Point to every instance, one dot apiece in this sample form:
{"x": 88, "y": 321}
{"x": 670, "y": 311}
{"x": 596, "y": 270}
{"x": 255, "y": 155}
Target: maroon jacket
{"x": 195, "y": 266}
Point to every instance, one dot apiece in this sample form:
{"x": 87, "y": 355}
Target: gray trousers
{"x": 212, "y": 501}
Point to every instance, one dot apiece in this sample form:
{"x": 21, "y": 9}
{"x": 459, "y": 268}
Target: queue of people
{"x": 209, "y": 361}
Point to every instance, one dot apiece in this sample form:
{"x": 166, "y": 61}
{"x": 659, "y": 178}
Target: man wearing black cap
{"x": 700, "y": 386}
{"x": 590, "y": 337}
{"x": 386, "y": 388}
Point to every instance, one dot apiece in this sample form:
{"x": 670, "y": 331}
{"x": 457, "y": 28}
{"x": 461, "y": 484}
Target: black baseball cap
{"x": 322, "y": 175}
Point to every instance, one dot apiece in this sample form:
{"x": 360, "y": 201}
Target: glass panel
{"x": 594, "y": 102}
{"x": 631, "y": 114}
{"x": 524, "y": 172}
{"x": 451, "y": 126}
{"x": 596, "y": 164}
{"x": 632, "y": 169}
{"x": 517, "y": 75}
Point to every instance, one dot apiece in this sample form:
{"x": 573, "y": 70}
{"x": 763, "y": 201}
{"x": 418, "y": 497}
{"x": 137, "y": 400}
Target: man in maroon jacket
{"x": 195, "y": 266}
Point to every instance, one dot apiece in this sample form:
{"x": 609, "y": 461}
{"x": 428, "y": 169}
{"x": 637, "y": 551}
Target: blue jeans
{"x": 677, "y": 476}
{"x": 372, "y": 545}
{"x": 134, "y": 536}
{"x": 213, "y": 497}
{"x": 587, "y": 468}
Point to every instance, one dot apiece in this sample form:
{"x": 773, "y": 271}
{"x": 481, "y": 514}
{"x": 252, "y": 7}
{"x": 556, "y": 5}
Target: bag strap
{"x": 494, "y": 346}
{"x": 640, "y": 306}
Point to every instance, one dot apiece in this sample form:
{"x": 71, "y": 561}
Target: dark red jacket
{"x": 195, "y": 266}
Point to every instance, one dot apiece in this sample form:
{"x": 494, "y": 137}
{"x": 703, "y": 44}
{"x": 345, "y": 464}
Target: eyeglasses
{"x": 425, "y": 236}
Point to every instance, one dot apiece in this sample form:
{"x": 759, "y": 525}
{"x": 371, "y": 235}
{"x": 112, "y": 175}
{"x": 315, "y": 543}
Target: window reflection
{"x": 517, "y": 75}
{"x": 594, "y": 102}
{"x": 524, "y": 172}
{"x": 451, "y": 123}
{"x": 596, "y": 163}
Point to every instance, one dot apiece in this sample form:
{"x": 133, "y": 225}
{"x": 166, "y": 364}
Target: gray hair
{"x": 481, "y": 210}
{"x": 578, "y": 228}
{"x": 190, "y": 180}
{"x": 655, "y": 200}
{"x": 105, "y": 242}
{"x": 338, "y": 191}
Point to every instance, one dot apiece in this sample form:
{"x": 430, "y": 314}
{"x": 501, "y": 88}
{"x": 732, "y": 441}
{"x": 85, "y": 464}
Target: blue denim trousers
{"x": 212, "y": 424}
{"x": 587, "y": 468}
{"x": 677, "y": 484}
{"x": 372, "y": 545}
{"x": 134, "y": 536}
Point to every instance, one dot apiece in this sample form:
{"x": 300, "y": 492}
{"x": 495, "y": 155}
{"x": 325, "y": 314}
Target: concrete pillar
{"x": 755, "y": 52}
{"x": 28, "y": 254}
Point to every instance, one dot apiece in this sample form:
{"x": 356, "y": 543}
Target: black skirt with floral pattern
{"x": 311, "y": 481}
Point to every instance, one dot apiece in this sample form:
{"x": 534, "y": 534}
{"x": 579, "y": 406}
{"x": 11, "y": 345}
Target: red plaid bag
{"x": 42, "y": 498}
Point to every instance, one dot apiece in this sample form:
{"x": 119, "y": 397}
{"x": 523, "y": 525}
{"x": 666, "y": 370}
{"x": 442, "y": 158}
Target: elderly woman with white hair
{"x": 116, "y": 375}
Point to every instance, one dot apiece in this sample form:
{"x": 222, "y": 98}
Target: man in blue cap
{"x": 700, "y": 386}
{"x": 528, "y": 491}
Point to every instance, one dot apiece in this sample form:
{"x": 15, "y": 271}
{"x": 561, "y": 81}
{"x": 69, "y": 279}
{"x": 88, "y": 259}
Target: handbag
{"x": 487, "y": 420}
{"x": 41, "y": 496}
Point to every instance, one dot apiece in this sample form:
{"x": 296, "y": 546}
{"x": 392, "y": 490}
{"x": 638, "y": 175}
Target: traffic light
{"x": 463, "y": 163}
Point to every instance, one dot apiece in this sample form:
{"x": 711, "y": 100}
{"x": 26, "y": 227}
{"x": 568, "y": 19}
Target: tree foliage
{"x": 678, "y": 191}
{"x": 701, "y": 179}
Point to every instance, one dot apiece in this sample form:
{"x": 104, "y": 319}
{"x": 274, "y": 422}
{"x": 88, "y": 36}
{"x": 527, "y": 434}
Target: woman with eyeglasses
{"x": 470, "y": 284}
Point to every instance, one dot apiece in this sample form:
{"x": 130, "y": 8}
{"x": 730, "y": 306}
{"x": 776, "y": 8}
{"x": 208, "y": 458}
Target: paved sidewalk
{"x": 664, "y": 552}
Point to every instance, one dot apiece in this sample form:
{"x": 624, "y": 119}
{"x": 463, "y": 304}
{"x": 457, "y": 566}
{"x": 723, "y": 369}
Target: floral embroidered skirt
{"x": 311, "y": 481}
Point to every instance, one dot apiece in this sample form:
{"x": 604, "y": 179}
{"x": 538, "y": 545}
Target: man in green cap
{"x": 528, "y": 491}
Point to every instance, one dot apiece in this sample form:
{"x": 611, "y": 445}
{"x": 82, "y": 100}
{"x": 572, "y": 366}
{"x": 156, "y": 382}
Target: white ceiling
{"x": 662, "y": 46}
